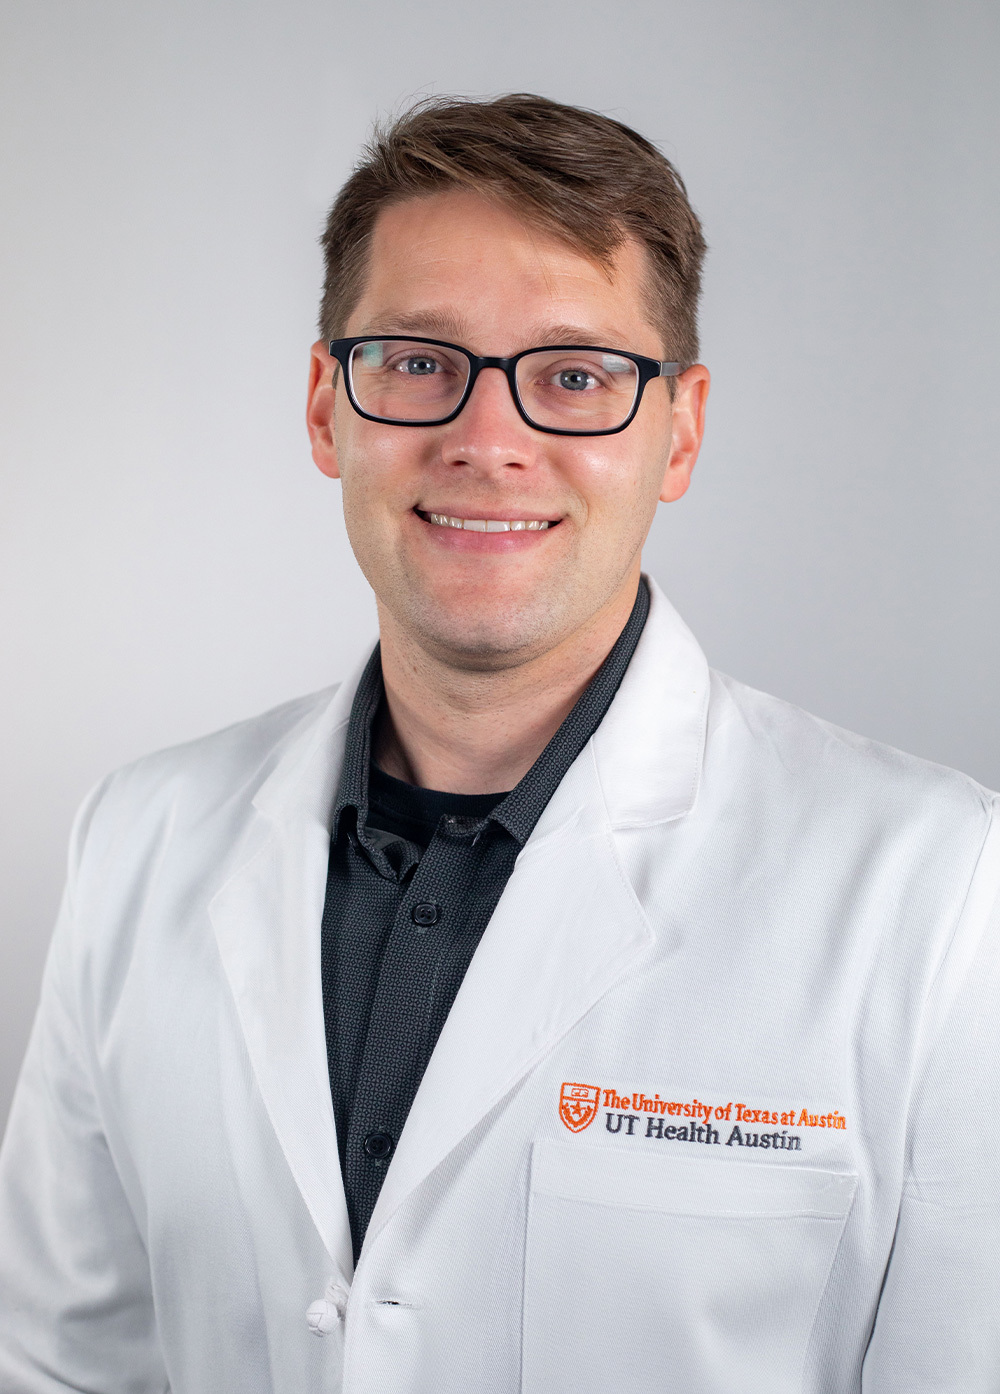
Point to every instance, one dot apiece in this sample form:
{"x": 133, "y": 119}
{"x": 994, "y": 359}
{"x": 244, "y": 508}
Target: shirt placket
{"x": 397, "y": 1044}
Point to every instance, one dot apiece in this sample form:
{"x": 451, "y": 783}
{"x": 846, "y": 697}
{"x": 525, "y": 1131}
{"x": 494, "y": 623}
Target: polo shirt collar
{"x": 524, "y": 805}
{"x": 352, "y": 791}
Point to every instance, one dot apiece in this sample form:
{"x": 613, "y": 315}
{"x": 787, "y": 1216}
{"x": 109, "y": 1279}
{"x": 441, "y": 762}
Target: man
{"x": 539, "y": 1010}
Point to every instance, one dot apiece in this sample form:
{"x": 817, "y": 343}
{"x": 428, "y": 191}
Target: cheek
{"x": 620, "y": 486}
{"x": 376, "y": 467}
{"x": 363, "y": 490}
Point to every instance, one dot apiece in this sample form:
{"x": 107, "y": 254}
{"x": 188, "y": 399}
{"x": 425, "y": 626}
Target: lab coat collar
{"x": 649, "y": 748}
{"x": 555, "y": 945}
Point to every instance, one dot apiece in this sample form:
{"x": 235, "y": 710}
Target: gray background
{"x": 170, "y": 559}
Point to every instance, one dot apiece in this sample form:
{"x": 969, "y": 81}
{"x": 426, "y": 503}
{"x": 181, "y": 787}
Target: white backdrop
{"x": 170, "y": 559}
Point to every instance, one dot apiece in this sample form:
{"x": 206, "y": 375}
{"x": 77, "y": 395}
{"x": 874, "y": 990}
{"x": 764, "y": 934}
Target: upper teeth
{"x": 489, "y": 524}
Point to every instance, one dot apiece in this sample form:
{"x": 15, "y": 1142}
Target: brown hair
{"x": 584, "y": 177}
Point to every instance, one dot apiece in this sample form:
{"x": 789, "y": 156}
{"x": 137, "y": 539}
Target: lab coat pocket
{"x": 695, "y": 1274}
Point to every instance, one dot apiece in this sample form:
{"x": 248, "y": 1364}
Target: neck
{"x": 467, "y": 731}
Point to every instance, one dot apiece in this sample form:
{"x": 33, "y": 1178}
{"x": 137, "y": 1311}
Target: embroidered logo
{"x": 578, "y": 1105}
{"x": 641, "y": 1115}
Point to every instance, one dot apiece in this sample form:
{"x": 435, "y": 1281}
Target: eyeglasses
{"x": 566, "y": 390}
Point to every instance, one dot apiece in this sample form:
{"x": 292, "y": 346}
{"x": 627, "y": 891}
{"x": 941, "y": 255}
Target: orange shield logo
{"x": 578, "y": 1105}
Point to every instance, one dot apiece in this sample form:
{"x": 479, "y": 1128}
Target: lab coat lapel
{"x": 267, "y": 920}
{"x": 568, "y": 925}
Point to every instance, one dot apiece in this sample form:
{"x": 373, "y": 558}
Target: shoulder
{"x": 205, "y": 784}
{"x": 239, "y": 758}
{"x": 852, "y": 832}
{"x": 827, "y": 772}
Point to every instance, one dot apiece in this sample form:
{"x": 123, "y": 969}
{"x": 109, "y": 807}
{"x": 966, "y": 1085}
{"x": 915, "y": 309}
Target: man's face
{"x": 457, "y": 267}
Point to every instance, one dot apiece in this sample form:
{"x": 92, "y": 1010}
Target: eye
{"x": 419, "y": 365}
{"x": 576, "y": 379}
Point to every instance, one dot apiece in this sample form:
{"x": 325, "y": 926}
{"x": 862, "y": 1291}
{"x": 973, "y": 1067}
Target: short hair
{"x": 587, "y": 179}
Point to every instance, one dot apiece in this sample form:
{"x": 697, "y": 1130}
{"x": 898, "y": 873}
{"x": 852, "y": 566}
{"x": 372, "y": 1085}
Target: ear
{"x": 687, "y": 429}
{"x": 319, "y": 409}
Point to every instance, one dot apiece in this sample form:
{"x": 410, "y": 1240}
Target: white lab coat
{"x": 728, "y": 905}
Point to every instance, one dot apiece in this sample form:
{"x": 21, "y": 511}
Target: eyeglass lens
{"x": 566, "y": 389}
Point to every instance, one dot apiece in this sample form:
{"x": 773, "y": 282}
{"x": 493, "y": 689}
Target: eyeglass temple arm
{"x": 669, "y": 370}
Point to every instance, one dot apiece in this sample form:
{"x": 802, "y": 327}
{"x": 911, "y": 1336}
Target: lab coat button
{"x": 323, "y": 1316}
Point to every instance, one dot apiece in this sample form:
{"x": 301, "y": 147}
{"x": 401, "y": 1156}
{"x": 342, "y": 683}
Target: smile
{"x": 444, "y": 520}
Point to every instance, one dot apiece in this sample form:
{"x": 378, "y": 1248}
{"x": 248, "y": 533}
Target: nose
{"x": 488, "y": 432}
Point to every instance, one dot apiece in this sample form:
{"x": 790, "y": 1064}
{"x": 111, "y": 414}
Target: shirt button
{"x": 425, "y": 913}
{"x": 378, "y": 1146}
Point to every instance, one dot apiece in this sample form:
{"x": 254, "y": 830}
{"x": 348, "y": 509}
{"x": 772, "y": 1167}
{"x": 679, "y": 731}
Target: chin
{"x": 485, "y": 634}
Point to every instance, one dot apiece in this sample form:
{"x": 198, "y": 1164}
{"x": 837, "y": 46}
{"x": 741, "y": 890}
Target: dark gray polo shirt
{"x": 414, "y": 877}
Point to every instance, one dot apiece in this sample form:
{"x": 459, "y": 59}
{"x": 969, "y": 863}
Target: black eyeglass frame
{"x": 648, "y": 369}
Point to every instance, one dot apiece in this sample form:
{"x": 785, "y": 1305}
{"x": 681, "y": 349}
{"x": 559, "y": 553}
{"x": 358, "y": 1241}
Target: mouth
{"x": 448, "y": 520}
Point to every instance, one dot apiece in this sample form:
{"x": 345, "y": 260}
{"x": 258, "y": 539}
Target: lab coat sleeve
{"x": 938, "y": 1322}
{"x": 76, "y": 1306}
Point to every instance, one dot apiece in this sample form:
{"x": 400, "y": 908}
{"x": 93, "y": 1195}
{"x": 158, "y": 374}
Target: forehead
{"x": 457, "y": 265}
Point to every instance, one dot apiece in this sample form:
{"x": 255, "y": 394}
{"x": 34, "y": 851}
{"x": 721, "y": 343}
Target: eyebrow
{"x": 445, "y": 325}
{"x": 436, "y": 323}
